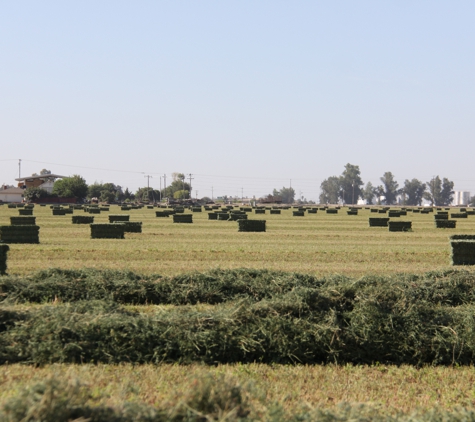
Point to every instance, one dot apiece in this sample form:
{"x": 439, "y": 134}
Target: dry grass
{"x": 397, "y": 388}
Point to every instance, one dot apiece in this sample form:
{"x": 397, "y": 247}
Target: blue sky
{"x": 244, "y": 95}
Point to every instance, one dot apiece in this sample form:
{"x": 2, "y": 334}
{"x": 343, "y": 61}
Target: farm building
{"x": 43, "y": 181}
{"x": 11, "y": 194}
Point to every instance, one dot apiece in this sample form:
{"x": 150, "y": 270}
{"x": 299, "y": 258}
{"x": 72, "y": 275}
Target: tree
{"x": 330, "y": 190}
{"x": 177, "y": 184}
{"x": 350, "y": 184}
{"x": 368, "y": 193}
{"x": 389, "y": 188}
{"x": 31, "y": 194}
{"x": 147, "y": 195}
{"x": 71, "y": 187}
{"x": 472, "y": 201}
{"x": 440, "y": 192}
{"x": 181, "y": 194}
{"x": 287, "y": 195}
{"x": 413, "y": 192}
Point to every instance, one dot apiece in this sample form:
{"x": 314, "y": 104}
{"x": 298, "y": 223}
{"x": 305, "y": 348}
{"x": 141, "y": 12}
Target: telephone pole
{"x": 148, "y": 186}
{"x": 212, "y": 193}
{"x": 189, "y": 176}
{"x": 164, "y": 183}
{"x": 19, "y": 168}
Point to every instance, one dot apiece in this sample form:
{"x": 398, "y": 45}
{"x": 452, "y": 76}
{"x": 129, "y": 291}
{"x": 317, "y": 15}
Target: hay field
{"x": 320, "y": 245}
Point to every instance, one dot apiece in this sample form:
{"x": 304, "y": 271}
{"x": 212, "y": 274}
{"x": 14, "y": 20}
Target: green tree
{"x": 389, "y": 188}
{"x": 330, "y": 190}
{"x": 287, "y": 195}
{"x": 178, "y": 184}
{"x": 31, "y": 194}
{"x": 368, "y": 193}
{"x": 181, "y": 194}
{"x": 71, "y": 187}
{"x": 413, "y": 192}
{"x": 350, "y": 184}
{"x": 104, "y": 191}
{"x": 147, "y": 195}
{"x": 440, "y": 192}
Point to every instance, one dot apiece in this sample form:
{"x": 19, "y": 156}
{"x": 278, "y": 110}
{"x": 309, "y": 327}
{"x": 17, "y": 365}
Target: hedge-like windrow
{"x": 406, "y": 319}
{"x": 3, "y": 258}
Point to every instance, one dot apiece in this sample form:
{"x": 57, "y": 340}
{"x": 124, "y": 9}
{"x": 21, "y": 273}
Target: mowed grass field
{"x": 321, "y": 244}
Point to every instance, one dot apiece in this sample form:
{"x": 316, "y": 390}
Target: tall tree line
{"x": 348, "y": 188}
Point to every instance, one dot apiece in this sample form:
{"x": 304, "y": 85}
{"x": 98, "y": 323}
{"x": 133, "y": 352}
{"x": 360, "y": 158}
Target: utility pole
{"x": 160, "y": 189}
{"x": 242, "y": 194}
{"x": 148, "y": 186}
{"x": 19, "y": 168}
{"x": 164, "y": 183}
{"x": 212, "y": 193}
{"x": 189, "y": 175}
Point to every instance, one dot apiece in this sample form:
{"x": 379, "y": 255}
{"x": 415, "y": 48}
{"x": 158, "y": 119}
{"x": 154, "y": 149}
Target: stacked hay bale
{"x": 224, "y": 216}
{"x": 94, "y": 210}
{"x": 298, "y": 213}
{"x": 22, "y": 221}
{"x": 375, "y": 210}
{"x": 378, "y": 222}
{"x": 441, "y": 216}
{"x": 11, "y": 205}
{"x": 252, "y": 225}
{"x": 276, "y": 211}
{"x": 260, "y": 211}
{"x": 458, "y": 215}
{"x": 183, "y": 218}
{"x": 115, "y": 218}
{"x": 25, "y": 211}
{"x": 212, "y": 216}
{"x": 463, "y": 249}
{"x": 58, "y": 211}
{"x": 82, "y": 219}
{"x": 125, "y": 208}
{"x": 237, "y": 216}
{"x": 352, "y": 212}
{"x": 445, "y": 224}
{"x": 162, "y": 214}
{"x": 394, "y": 213}
{"x": 132, "y": 226}
{"x": 107, "y": 231}
{"x": 19, "y": 234}
{"x": 3, "y": 258}
{"x": 400, "y": 226}
{"x": 311, "y": 211}
{"x": 331, "y": 211}
{"x": 196, "y": 209}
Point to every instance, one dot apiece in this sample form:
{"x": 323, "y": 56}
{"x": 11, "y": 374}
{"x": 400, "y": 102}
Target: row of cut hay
{"x": 374, "y": 319}
{"x": 19, "y": 234}
{"x": 107, "y": 231}
{"x": 3, "y": 258}
{"x": 463, "y": 249}
{"x": 82, "y": 219}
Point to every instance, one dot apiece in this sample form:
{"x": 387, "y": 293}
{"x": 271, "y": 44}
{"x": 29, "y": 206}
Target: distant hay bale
{"x": 378, "y": 222}
{"x": 23, "y": 221}
{"x": 445, "y": 224}
{"x": 183, "y": 218}
{"x": 107, "y": 231}
{"x": 400, "y": 226}
{"x": 252, "y": 225}
{"x": 115, "y": 218}
{"x": 82, "y": 219}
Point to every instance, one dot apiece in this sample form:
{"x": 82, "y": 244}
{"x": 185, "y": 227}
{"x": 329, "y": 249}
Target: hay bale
{"x": 3, "y": 258}
{"x": 25, "y": 211}
{"x": 463, "y": 249}
{"x": 445, "y": 224}
{"x": 251, "y": 225}
{"x": 107, "y": 231}
{"x": 400, "y": 226}
{"x": 125, "y": 208}
{"x": 58, "y": 211}
{"x": 275, "y": 211}
{"x": 196, "y": 209}
{"x": 11, "y": 205}
{"x": 183, "y": 218}
{"x": 352, "y": 212}
{"x": 132, "y": 226}
{"x": 444, "y": 216}
{"x": 23, "y": 221}
{"x": 19, "y": 234}
{"x": 94, "y": 210}
{"x": 113, "y": 218}
{"x": 378, "y": 222}
{"x": 312, "y": 211}
{"x": 331, "y": 211}
{"x": 212, "y": 216}
{"x": 260, "y": 211}
{"x": 224, "y": 216}
{"x": 298, "y": 213}
{"x": 82, "y": 219}
{"x": 235, "y": 216}
{"x": 162, "y": 214}
{"x": 458, "y": 215}
{"x": 394, "y": 213}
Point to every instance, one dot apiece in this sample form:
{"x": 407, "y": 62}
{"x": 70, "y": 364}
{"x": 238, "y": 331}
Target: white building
{"x": 461, "y": 197}
{"x": 9, "y": 194}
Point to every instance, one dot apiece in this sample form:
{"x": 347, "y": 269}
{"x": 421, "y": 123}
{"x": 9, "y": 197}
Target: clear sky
{"x": 244, "y": 95}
